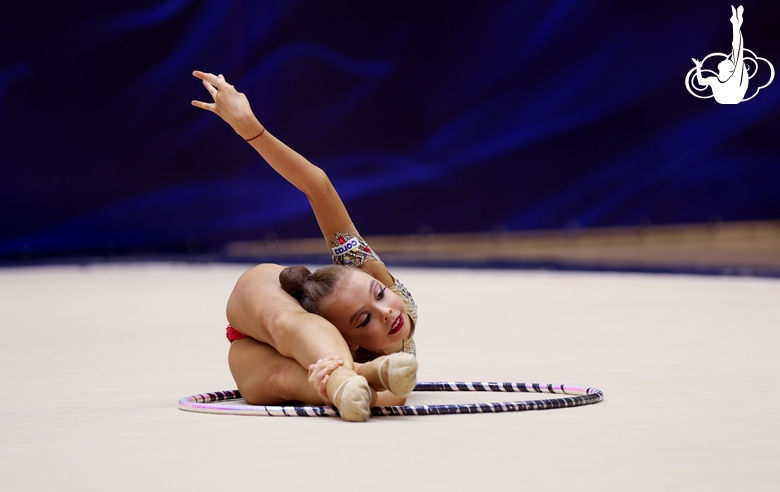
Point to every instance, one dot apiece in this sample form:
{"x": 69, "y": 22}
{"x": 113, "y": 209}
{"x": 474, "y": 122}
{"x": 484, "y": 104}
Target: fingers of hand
{"x": 325, "y": 371}
{"x": 203, "y": 105}
{"x": 323, "y": 389}
{"x": 325, "y": 366}
{"x": 314, "y": 369}
{"x": 209, "y": 77}
{"x": 328, "y": 360}
{"x": 319, "y": 374}
{"x": 222, "y": 84}
{"x": 218, "y": 81}
{"x": 209, "y": 87}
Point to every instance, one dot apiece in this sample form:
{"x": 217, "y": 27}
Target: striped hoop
{"x": 217, "y": 402}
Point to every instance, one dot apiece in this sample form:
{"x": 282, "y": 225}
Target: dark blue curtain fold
{"x": 428, "y": 116}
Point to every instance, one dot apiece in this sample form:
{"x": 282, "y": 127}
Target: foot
{"x": 351, "y": 395}
{"x": 736, "y": 15}
{"x": 396, "y": 373}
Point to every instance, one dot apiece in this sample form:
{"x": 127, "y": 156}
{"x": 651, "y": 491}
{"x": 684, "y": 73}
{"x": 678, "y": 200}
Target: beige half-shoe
{"x": 401, "y": 373}
{"x": 353, "y": 399}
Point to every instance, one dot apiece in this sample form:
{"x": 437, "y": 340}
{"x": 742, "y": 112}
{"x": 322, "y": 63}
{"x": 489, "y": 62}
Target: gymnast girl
{"x": 341, "y": 335}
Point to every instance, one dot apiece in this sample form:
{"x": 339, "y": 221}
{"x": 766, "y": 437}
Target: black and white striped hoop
{"x": 219, "y": 402}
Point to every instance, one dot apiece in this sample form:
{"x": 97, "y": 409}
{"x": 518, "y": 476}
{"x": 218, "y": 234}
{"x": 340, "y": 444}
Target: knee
{"x": 253, "y": 395}
{"x": 283, "y": 325}
{"x": 268, "y": 267}
{"x": 259, "y": 391}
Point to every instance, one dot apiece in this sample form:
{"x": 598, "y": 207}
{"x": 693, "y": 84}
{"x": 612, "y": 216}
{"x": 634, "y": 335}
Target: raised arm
{"x": 701, "y": 80}
{"x": 233, "y": 107}
{"x": 332, "y": 216}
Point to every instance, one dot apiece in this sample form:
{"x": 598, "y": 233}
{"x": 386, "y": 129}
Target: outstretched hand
{"x": 229, "y": 104}
{"x": 697, "y": 62}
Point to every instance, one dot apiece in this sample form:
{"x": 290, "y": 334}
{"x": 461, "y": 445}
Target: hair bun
{"x": 292, "y": 280}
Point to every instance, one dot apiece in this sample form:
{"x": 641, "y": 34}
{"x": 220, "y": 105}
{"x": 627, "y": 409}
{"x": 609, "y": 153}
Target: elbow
{"x": 319, "y": 187}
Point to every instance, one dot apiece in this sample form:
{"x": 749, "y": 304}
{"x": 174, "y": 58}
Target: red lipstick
{"x": 399, "y": 323}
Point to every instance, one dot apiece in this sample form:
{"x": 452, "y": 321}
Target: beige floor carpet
{"x": 93, "y": 360}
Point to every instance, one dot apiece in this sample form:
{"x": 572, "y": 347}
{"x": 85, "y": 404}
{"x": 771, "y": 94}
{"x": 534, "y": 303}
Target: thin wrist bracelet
{"x": 261, "y": 132}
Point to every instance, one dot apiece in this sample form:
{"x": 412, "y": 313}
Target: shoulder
{"x": 350, "y": 249}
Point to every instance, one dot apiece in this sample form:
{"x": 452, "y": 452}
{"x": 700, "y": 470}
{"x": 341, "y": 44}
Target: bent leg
{"x": 260, "y": 308}
{"x": 265, "y": 377}
{"x": 736, "y": 37}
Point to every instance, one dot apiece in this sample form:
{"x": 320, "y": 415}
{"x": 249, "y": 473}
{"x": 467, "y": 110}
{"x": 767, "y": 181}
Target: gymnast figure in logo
{"x": 735, "y": 70}
{"x": 731, "y": 84}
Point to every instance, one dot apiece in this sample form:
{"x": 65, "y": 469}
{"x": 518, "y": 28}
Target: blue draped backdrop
{"x": 428, "y": 116}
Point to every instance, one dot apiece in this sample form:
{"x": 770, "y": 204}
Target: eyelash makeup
{"x": 379, "y": 296}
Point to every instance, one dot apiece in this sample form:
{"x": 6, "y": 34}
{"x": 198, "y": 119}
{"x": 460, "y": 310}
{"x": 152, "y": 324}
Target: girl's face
{"x": 367, "y": 313}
